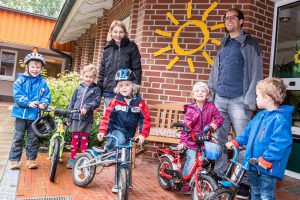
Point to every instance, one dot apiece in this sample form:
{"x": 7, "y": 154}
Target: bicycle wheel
{"x": 164, "y": 182}
{"x": 82, "y": 177}
{"x": 221, "y": 194}
{"x": 54, "y": 159}
{"x": 206, "y": 183}
{"x": 123, "y": 185}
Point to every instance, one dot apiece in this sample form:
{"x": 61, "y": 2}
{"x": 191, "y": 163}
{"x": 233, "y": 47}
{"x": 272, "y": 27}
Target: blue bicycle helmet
{"x": 125, "y": 75}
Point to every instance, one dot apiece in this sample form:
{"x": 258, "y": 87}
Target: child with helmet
{"x": 124, "y": 112}
{"x": 30, "y": 93}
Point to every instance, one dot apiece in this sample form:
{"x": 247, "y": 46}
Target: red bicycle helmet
{"x": 44, "y": 126}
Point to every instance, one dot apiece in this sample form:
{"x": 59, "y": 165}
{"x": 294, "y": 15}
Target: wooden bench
{"x": 161, "y": 130}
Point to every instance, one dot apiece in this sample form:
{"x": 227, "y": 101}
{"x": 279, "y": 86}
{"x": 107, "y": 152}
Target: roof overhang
{"x": 79, "y": 18}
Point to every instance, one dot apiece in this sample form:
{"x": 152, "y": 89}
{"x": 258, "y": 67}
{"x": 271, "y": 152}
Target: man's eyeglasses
{"x": 231, "y": 18}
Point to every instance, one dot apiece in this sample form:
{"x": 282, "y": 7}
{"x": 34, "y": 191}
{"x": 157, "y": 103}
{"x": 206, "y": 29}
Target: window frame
{"x": 12, "y": 77}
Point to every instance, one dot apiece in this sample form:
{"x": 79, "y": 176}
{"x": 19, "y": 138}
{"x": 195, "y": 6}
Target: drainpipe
{"x": 60, "y": 22}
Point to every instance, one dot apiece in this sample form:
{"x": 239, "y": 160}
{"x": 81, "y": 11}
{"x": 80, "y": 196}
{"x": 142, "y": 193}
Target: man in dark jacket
{"x": 237, "y": 69}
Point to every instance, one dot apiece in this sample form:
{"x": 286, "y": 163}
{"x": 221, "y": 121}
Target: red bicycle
{"x": 170, "y": 169}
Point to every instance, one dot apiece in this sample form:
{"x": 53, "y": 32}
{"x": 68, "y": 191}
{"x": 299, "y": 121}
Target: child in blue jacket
{"x": 30, "y": 93}
{"x": 268, "y": 138}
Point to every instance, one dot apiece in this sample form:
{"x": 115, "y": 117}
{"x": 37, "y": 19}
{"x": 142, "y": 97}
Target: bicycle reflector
{"x": 44, "y": 126}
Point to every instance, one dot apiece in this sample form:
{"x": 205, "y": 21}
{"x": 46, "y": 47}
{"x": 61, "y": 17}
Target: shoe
{"x": 14, "y": 165}
{"x": 31, "y": 164}
{"x": 114, "y": 189}
{"x": 243, "y": 191}
{"x": 186, "y": 189}
{"x": 70, "y": 164}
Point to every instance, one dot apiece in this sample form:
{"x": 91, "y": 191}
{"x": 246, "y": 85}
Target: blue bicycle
{"x": 85, "y": 165}
{"x": 232, "y": 178}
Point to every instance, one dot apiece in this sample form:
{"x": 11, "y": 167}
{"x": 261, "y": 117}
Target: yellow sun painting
{"x": 198, "y": 23}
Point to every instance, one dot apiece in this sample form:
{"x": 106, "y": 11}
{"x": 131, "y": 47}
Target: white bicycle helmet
{"x": 34, "y": 56}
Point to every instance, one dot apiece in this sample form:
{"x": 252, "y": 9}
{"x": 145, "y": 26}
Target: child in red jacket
{"x": 124, "y": 113}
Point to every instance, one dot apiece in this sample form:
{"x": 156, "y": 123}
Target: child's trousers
{"x": 21, "y": 127}
{"x": 262, "y": 186}
{"x": 83, "y": 138}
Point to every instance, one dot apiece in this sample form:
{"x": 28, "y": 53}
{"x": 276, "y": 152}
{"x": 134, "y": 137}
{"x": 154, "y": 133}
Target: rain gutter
{"x": 60, "y": 22}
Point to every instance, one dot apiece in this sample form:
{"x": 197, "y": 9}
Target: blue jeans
{"x": 262, "y": 186}
{"x": 190, "y": 160}
{"x": 21, "y": 127}
{"x": 233, "y": 112}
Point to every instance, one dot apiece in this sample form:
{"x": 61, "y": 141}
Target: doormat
{"x": 294, "y": 190}
{"x": 48, "y": 198}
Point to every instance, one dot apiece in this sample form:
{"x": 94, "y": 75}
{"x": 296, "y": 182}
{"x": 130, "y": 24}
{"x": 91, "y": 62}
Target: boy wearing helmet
{"x": 30, "y": 93}
{"x": 124, "y": 112}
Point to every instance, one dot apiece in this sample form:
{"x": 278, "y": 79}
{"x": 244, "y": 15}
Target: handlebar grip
{"x": 61, "y": 112}
{"x": 207, "y": 128}
{"x": 177, "y": 124}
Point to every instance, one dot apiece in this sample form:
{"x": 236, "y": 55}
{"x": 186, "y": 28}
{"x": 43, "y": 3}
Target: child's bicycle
{"x": 85, "y": 165}
{"x": 232, "y": 178}
{"x": 46, "y": 124}
{"x": 170, "y": 170}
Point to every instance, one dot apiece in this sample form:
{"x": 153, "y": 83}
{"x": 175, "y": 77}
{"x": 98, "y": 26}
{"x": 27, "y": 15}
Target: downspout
{"x": 60, "y": 22}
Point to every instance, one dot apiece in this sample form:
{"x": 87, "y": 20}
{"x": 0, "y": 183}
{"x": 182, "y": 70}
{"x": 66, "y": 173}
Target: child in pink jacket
{"x": 197, "y": 115}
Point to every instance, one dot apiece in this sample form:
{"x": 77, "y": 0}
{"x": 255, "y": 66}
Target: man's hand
{"x": 100, "y": 136}
{"x": 141, "y": 139}
{"x": 83, "y": 111}
{"x": 34, "y": 104}
{"x": 180, "y": 146}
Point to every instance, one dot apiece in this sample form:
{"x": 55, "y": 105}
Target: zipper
{"x": 84, "y": 92}
{"x": 119, "y": 56}
{"x": 252, "y": 145}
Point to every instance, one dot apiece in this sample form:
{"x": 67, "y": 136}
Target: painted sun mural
{"x": 204, "y": 28}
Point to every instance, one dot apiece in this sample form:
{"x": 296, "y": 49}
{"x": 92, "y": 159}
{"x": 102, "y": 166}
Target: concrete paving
{"x": 6, "y": 134}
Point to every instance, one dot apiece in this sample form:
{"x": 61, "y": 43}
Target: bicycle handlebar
{"x": 134, "y": 139}
{"x": 60, "y": 112}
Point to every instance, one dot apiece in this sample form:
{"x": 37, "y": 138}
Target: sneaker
{"x": 70, "y": 164}
{"x": 31, "y": 164}
{"x": 186, "y": 189}
{"x": 114, "y": 189}
{"x": 243, "y": 191}
{"x": 14, "y": 165}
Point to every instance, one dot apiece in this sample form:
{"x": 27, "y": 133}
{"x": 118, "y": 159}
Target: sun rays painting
{"x": 175, "y": 44}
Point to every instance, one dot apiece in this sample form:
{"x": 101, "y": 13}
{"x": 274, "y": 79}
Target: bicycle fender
{"x": 92, "y": 152}
{"x": 174, "y": 166}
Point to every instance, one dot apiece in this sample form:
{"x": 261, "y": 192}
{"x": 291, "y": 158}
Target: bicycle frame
{"x": 197, "y": 168}
{"x": 58, "y": 134}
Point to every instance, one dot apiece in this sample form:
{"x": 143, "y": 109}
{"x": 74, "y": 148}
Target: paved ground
{"x": 27, "y": 183}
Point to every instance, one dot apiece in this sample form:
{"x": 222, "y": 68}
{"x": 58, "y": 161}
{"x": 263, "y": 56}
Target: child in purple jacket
{"x": 197, "y": 115}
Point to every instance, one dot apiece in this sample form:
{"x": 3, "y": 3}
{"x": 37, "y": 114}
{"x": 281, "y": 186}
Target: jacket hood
{"x": 25, "y": 75}
{"x": 194, "y": 105}
{"x": 137, "y": 98}
{"x": 91, "y": 85}
{"x": 285, "y": 110}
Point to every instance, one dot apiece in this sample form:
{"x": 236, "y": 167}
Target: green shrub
{"x": 62, "y": 89}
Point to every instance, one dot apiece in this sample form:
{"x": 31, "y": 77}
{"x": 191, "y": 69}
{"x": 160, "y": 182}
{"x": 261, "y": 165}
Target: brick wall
{"x": 160, "y": 85}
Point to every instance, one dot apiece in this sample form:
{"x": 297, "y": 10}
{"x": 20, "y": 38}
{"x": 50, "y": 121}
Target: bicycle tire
{"x": 83, "y": 177}
{"x": 164, "y": 182}
{"x": 207, "y": 184}
{"x": 54, "y": 159}
{"x": 123, "y": 184}
{"x": 221, "y": 194}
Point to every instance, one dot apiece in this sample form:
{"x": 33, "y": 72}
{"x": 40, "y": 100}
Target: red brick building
{"x": 153, "y": 24}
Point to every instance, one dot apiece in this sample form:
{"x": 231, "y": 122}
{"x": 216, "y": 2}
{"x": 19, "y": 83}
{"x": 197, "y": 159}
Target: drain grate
{"x": 49, "y": 198}
{"x": 294, "y": 190}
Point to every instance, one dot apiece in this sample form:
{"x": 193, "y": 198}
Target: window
{"x": 8, "y": 61}
{"x": 287, "y": 45}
